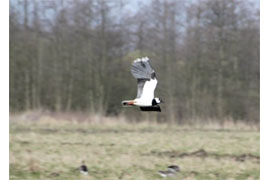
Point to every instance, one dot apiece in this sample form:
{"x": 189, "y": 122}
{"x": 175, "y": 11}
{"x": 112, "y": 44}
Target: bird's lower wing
{"x": 151, "y": 108}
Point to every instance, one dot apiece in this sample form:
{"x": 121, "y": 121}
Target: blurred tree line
{"x": 75, "y": 55}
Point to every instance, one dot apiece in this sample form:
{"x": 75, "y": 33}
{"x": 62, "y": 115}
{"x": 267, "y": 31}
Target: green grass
{"x": 54, "y": 150}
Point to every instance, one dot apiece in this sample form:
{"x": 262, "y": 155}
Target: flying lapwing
{"x": 142, "y": 70}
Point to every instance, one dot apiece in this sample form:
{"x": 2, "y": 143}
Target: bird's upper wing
{"x": 142, "y": 69}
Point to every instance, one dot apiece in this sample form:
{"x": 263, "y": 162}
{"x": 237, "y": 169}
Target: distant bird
{"x": 165, "y": 173}
{"x": 83, "y": 169}
{"x": 146, "y": 85}
{"x": 172, "y": 170}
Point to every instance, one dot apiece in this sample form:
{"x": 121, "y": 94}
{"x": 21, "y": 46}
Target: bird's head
{"x": 157, "y": 100}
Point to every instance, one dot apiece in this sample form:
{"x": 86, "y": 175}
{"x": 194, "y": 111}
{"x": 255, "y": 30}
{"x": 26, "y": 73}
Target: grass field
{"x": 54, "y": 150}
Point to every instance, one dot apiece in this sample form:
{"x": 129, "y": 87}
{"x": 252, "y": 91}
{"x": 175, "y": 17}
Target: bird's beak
{"x": 161, "y": 101}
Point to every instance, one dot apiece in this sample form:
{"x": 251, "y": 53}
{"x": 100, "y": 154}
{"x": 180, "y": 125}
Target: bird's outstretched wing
{"x": 142, "y": 69}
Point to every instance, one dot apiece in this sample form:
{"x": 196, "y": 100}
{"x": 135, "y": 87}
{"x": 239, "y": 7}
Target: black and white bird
{"x": 83, "y": 169}
{"x": 172, "y": 170}
{"x": 142, "y": 70}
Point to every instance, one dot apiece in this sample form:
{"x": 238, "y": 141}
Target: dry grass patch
{"x": 50, "y": 149}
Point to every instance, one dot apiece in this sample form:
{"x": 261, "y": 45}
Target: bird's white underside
{"x": 84, "y": 172}
{"x": 162, "y": 175}
{"x": 147, "y": 94}
{"x": 166, "y": 174}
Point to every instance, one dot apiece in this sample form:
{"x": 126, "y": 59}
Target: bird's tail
{"x": 127, "y": 103}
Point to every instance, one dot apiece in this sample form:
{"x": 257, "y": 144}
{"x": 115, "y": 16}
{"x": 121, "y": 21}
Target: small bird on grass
{"x": 172, "y": 170}
{"x": 83, "y": 169}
